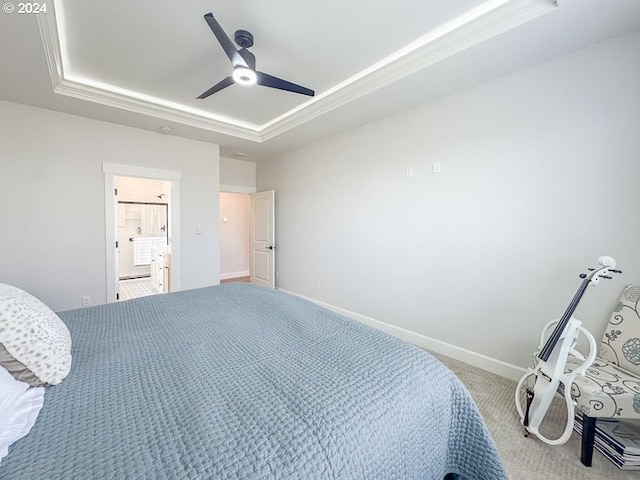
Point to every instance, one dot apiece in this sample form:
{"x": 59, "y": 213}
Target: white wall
{"x": 52, "y": 201}
{"x": 539, "y": 178}
{"x": 237, "y": 175}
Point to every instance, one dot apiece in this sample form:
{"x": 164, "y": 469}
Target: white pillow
{"x": 35, "y": 345}
{"x": 19, "y": 408}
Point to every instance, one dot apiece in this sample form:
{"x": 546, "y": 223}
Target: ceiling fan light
{"x": 244, "y": 76}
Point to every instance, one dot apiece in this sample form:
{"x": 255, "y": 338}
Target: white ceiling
{"x": 143, "y": 63}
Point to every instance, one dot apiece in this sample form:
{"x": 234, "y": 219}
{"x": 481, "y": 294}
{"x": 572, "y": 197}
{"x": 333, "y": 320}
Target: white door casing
{"x": 111, "y": 203}
{"x": 262, "y": 257}
{"x": 111, "y": 170}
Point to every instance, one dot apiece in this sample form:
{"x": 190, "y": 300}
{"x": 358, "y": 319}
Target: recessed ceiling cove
{"x": 155, "y": 58}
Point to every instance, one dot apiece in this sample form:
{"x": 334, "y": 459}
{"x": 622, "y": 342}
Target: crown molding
{"x": 50, "y": 41}
{"x": 158, "y": 108}
{"x": 477, "y": 25}
{"x": 486, "y": 21}
{"x": 111, "y": 96}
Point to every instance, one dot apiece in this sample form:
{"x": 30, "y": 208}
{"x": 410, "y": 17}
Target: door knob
{"x": 270, "y": 247}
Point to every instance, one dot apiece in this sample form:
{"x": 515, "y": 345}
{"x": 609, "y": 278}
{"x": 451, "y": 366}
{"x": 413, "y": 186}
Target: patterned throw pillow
{"x": 35, "y": 345}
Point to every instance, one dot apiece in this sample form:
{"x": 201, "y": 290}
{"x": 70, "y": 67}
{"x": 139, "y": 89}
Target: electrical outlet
{"x": 86, "y": 301}
{"x": 317, "y": 284}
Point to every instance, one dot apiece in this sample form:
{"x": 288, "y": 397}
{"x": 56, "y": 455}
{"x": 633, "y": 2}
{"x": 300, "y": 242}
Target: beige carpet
{"x": 528, "y": 458}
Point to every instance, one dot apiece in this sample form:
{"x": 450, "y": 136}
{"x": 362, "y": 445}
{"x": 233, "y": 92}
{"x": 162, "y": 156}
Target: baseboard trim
{"x": 475, "y": 359}
{"x": 226, "y": 276}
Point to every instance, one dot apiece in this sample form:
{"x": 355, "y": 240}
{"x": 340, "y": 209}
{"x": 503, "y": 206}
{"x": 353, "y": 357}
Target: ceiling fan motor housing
{"x": 244, "y": 38}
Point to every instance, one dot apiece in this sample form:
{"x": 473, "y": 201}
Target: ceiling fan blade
{"x": 248, "y": 57}
{"x": 218, "y": 86}
{"x": 267, "y": 80}
{"x": 225, "y": 41}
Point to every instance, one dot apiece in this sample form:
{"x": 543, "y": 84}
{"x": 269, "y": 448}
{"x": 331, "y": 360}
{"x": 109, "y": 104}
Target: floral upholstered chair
{"x": 611, "y": 386}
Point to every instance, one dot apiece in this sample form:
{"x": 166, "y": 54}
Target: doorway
{"x": 247, "y": 235}
{"x": 235, "y": 234}
{"x": 143, "y": 236}
{"x": 142, "y": 185}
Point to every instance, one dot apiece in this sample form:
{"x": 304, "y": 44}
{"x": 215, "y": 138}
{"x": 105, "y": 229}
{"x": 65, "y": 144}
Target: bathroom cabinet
{"x": 161, "y": 269}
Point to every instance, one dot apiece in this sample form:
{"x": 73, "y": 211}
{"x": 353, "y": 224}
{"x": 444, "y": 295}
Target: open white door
{"x": 111, "y": 224}
{"x": 262, "y": 258}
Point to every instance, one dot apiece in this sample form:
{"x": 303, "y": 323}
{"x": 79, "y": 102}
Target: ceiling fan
{"x": 244, "y": 63}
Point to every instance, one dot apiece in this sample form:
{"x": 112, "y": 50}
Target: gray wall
{"x": 539, "y": 177}
{"x": 52, "y": 201}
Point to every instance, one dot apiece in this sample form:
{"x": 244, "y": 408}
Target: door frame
{"x": 113, "y": 170}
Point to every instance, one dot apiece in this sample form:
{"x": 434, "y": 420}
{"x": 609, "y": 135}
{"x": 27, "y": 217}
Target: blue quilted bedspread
{"x": 237, "y": 381}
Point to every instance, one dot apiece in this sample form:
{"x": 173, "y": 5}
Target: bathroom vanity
{"x": 161, "y": 269}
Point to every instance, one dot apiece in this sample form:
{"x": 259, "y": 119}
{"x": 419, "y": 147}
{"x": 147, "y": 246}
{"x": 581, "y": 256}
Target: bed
{"x": 240, "y": 381}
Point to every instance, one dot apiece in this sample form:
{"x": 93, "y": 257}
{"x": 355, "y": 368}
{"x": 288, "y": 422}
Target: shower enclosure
{"x": 141, "y": 226}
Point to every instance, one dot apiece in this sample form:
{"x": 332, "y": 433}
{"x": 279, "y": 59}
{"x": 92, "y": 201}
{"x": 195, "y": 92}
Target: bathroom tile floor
{"x": 142, "y": 287}
{"x": 136, "y": 287}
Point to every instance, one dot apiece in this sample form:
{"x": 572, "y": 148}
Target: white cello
{"x": 549, "y": 371}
